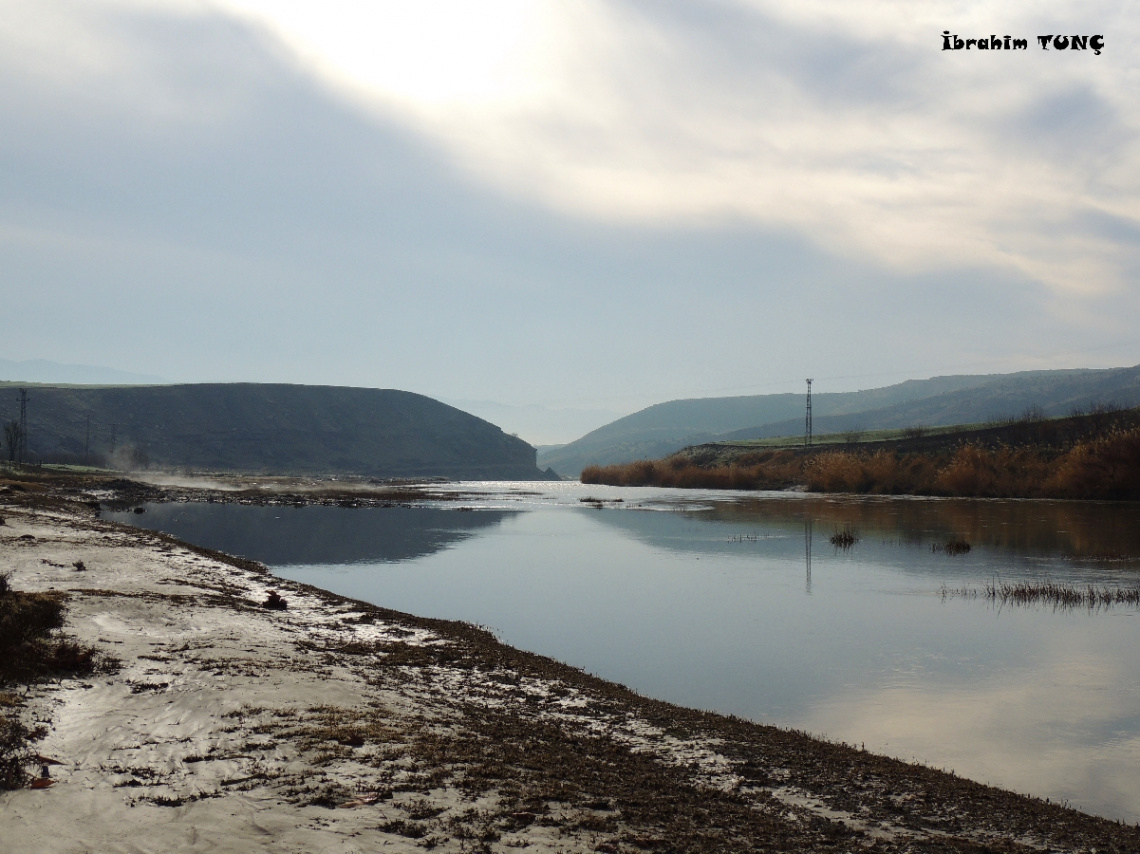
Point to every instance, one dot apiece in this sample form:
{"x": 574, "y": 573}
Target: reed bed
{"x": 1057, "y": 594}
{"x": 844, "y": 539}
{"x": 953, "y": 546}
{"x": 1106, "y": 468}
{"x": 772, "y": 470}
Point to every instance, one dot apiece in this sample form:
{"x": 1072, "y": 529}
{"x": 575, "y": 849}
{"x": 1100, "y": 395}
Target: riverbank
{"x": 1081, "y": 457}
{"x": 335, "y": 725}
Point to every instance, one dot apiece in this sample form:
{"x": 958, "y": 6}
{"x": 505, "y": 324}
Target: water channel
{"x": 738, "y": 602}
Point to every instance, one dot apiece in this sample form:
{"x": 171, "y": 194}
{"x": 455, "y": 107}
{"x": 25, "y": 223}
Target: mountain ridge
{"x": 664, "y": 428}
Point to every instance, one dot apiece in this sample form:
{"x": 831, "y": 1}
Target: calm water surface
{"x": 737, "y": 602}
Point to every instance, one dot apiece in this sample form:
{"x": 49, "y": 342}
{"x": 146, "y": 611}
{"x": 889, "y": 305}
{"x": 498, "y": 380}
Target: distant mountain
{"x": 537, "y": 424}
{"x": 667, "y": 427}
{"x": 43, "y": 371}
{"x": 264, "y": 428}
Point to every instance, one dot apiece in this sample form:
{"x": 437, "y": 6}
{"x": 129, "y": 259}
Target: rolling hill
{"x": 267, "y": 428}
{"x": 661, "y": 429}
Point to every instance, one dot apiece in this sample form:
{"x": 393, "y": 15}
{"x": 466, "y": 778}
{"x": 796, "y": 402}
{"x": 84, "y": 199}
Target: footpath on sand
{"x": 333, "y": 725}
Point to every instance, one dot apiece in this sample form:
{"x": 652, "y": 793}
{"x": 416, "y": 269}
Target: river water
{"x": 738, "y": 602}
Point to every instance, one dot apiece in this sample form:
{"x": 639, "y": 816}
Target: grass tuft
{"x": 1053, "y": 593}
{"x": 30, "y": 648}
{"x": 844, "y": 539}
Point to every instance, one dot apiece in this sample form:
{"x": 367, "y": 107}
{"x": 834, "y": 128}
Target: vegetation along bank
{"x": 1084, "y": 456}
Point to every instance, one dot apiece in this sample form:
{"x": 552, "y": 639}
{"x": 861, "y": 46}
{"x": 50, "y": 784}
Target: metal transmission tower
{"x": 22, "y": 446}
{"x": 807, "y": 419}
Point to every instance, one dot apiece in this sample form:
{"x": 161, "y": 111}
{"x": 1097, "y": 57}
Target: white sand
{"x": 229, "y": 727}
{"x": 196, "y": 743}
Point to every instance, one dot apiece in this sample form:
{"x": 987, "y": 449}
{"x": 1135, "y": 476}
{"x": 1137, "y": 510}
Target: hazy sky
{"x": 586, "y": 205}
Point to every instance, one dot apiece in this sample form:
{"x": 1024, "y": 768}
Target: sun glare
{"x": 428, "y": 53}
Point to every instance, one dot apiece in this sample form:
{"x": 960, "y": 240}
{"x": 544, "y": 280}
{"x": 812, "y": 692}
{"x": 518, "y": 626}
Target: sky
{"x": 570, "y": 209}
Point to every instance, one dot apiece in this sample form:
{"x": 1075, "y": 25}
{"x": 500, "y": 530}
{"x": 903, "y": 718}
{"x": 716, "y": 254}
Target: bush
{"x": 1105, "y": 468}
{"x": 15, "y": 751}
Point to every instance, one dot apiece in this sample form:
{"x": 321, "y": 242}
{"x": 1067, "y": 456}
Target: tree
{"x": 12, "y": 435}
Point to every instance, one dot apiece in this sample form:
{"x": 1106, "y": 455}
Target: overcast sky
{"x": 581, "y": 206}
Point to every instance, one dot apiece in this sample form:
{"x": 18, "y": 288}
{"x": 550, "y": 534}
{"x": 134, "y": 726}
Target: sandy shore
{"x": 337, "y": 726}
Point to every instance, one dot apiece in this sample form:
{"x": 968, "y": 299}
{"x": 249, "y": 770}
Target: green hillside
{"x": 664, "y": 428}
{"x": 266, "y": 428}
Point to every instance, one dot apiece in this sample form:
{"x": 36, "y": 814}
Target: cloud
{"x": 848, "y": 125}
{"x": 654, "y": 214}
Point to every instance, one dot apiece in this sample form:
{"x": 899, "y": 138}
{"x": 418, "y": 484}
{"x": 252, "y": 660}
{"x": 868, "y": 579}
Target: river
{"x": 739, "y": 603}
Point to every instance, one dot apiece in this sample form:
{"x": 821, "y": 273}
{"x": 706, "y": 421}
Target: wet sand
{"x": 334, "y": 725}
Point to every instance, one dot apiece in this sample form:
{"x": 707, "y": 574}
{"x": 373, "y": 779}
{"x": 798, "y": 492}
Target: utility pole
{"x": 87, "y": 442}
{"x": 23, "y": 443}
{"x": 807, "y": 419}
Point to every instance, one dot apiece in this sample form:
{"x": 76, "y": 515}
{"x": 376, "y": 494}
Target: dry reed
{"x": 1106, "y": 468}
{"x": 1057, "y": 594}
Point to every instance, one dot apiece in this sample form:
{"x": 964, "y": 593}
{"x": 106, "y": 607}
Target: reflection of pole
{"x": 87, "y": 442}
{"x": 807, "y": 553}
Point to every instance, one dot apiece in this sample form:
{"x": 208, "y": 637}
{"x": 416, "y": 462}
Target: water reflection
{"x": 1008, "y": 539}
{"x": 719, "y": 605}
{"x": 1066, "y": 726}
{"x": 1075, "y": 529}
{"x": 292, "y": 536}
{"x": 807, "y": 554}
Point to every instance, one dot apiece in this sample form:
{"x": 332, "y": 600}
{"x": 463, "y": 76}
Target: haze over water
{"x": 737, "y": 602}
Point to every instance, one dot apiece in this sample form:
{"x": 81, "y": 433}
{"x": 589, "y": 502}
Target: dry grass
{"x": 1053, "y": 593}
{"x": 31, "y": 648}
{"x": 1103, "y": 466}
{"x": 1107, "y": 468}
{"x": 764, "y": 470}
{"x": 953, "y": 546}
{"x": 844, "y": 539}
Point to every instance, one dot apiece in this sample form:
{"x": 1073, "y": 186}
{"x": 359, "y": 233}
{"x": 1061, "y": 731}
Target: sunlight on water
{"x": 738, "y": 602}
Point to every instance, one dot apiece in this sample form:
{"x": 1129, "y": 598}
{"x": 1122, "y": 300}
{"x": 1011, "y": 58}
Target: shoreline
{"x": 339, "y": 725}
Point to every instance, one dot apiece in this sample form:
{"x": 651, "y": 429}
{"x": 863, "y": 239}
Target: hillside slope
{"x": 664, "y": 428}
{"x": 266, "y": 428}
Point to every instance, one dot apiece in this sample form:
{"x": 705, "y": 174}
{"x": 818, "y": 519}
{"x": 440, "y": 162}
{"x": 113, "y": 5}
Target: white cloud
{"x": 771, "y": 159}
{"x": 846, "y": 122}
{"x": 432, "y": 54}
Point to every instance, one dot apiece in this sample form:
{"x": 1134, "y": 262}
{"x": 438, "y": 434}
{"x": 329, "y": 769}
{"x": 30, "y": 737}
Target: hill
{"x": 267, "y": 428}
{"x": 664, "y": 428}
{"x": 1093, "y": 455}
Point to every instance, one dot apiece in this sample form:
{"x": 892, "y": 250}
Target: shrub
{"x": 1105, "y": 468}
{"x": 15, "y": 751}
{"x": 29, "y": 649}
{"x": 971, "y": 472}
